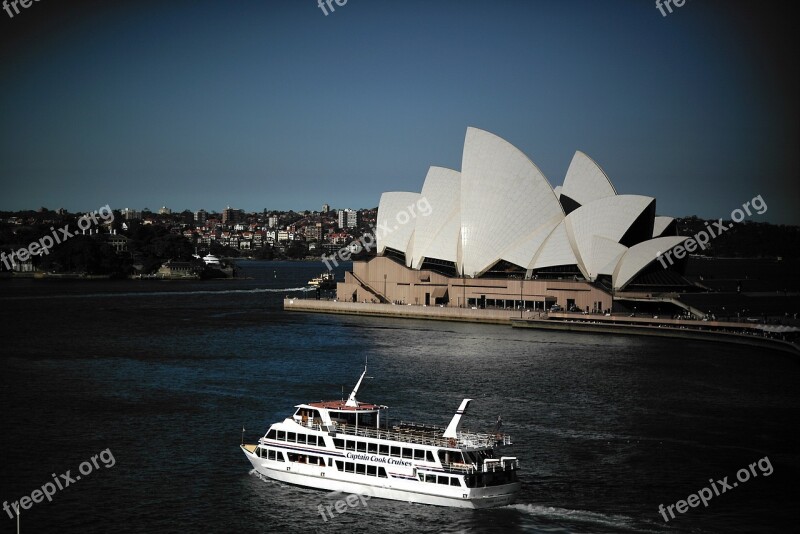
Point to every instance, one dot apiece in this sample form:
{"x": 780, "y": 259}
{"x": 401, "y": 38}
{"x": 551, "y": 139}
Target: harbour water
{"x": 166, "y": 374}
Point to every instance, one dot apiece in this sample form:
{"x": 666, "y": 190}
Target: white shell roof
{"x": 436, "y": 235}
{"x": 555, "y": 251}
{"x": 505, "y": 201}
{"x": 603, "y": 256}
{"x": 608, "y": 217}
{"x": 640, "y": 256}
{"x": 586, "y": 181}
{"x": 395, "y": 224}
{"x": 660, "y": 224}
{"x": 501, "y": 207}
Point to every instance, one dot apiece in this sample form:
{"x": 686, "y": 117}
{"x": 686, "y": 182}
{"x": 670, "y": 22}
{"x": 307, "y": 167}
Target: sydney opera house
{"x": 497, "y": 234}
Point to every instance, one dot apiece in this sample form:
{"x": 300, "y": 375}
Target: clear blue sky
{"x": 272, "y": 104}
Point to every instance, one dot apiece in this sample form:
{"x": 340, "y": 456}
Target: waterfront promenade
{"x": 716, "y": 331}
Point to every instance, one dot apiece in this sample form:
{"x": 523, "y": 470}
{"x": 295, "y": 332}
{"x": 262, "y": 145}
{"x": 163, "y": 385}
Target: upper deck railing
{"x": 416, "y": 433}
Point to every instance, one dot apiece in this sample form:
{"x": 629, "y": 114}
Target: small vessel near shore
{"x": 350, "y": 446}
{"x": 323, "y": 281}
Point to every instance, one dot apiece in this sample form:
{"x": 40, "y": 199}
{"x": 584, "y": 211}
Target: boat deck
{"x": 418, "y": 433}
{"x": 250, "y": 448}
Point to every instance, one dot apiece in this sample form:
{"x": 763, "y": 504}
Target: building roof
{"x": 500, "y": 207}
{"x": 436, "y": 234}
{"x": 395, "y": 226}
{"x": 585, "y": 181}
{"x": 638, "y": 257}
{"x": 505, "y": 201}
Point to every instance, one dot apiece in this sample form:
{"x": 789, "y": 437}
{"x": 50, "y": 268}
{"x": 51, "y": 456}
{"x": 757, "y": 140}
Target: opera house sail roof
{"x": 500, "y": 209}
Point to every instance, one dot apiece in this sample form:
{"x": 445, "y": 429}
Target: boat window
{"x": 361, "y": 446}
{"x": 338, "y": 443}
{"x": 281, "y": 435}
{"x": 454, "y": 482}
{"x": 430, "y": 478}
{"x": 419, "y": 454}
{"x": 384, "y": 450}
{"x": 361, "y": 469}
{"x": 429, "y": 456}
{"x": 301, "y": 438}
{"x": 330, "y": 462}
{"x": 372, "y": 447}
{"x": 340, "y": 465}
{"x": 407, "y": 452}
{"x": 351, "y": 445}
{"x": 291, "y": 436}
{"x": 372, "y": 470}
{"x": 271, "y": 434}
{"x": 382, "y": 472}
{"x": 444, "y": 480}
{"x": 396, "y": 451}
{"x": 311, "y": 440}
{"x": 349, "y": 467}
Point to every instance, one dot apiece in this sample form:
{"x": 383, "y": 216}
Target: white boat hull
{"x": 407, "y": 490}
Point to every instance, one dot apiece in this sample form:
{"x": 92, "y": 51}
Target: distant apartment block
{"x": 313, "y": 233}
{"x": 348, "y": 218}
{"x": 326, "y": 208}
{"x": 200, "y": 216}
{"x": 129, "y": 214}
{"x": 232, "y": 216}
{"x": 163, "y": 210}
{"x": 272, "y": 221}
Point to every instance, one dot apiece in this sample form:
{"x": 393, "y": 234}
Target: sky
{"x": 275, "y": 105}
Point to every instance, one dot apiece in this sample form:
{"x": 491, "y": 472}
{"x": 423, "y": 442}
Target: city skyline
{"x": 271, "y": 105}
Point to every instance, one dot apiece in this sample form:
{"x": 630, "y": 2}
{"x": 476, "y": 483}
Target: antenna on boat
{"x": 351, "y": 400}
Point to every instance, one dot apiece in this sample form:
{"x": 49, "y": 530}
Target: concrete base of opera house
{"x": 385, "y": 288}
{"x": 441, "y": 313}
{"x": 383, "y": 280}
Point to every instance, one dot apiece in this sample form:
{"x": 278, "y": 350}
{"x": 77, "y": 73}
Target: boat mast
{"x": 351, "y": 400}
{"x": 455, "y": 424}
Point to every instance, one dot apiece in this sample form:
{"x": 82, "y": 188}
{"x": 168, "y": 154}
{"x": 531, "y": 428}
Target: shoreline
{"x": 616, "y": 325}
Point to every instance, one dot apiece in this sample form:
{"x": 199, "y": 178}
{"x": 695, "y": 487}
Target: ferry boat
{"x": 323, "y": 281}
{"x": 349, "y": 446}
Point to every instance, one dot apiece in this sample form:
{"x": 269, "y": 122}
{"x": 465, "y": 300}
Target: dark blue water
{"x": 165, "y": 375}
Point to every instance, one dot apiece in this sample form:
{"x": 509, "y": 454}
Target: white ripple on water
{"x": 163, "y": 293}
{"x": 577, "y": 516}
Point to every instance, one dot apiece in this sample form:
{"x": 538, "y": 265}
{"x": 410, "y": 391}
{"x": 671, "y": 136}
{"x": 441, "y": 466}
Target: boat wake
{"x": 615, "y": 522}
{"x": 166, "y": 293}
